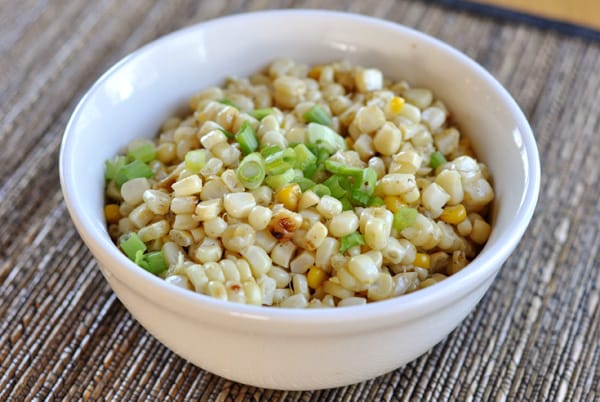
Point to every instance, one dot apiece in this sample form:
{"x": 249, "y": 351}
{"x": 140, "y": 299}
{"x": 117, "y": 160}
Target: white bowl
{"x": 286, "y": 348}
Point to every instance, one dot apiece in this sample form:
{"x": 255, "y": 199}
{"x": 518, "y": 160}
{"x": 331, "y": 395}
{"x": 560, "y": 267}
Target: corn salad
{"x": 322, "y": 186}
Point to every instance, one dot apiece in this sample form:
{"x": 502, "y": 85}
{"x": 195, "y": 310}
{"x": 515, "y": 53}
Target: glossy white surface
{"x": 281, "y": 348}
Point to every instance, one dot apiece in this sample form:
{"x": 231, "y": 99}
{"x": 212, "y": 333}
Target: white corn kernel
{"x": 158, "y": 201}
{"x": 259, "y": 217}
{"x": 259, "y": 260}
{"x": 239, "y": 205}
{"x": 212, "y": 138}
{"x": 267, "y": 288}
{"x": 214, "y": 227}
{"x": 252, "y": 292}
{"x": 433, "y": 117}
{"x": 381, "y": 288}
{"x": 405, "y": 162}
{"x": 197, "y": 277}
{"x": 388, "y": 139}
{"x": 451, "y": 182}
{"x": 375, "y": 233}
{"x": 352, "y": 301}
{"x": 184, "y": 222}
{"x": 363, "y": 268}
{"x": 265, "y": 240}
{"x": 434, "y": 198}
{"x": 217, "y": 290}
{"x": 238, "y": 236}
{"x": 329, "y": 207}
{"x": 154, "y": 231}
{"x": 141, "y": 215}
{"x": 369, "y": 119}
{"x": 315, "y": 235}
{"x": 183, "y": 205}
{"x": 302, "y": 262}
{"x": 420, "y": 97}
{"x": 281, "y": 276}
{"x": 188, "y": 186}
{"x": 282, "y": 253}
{"x": 133, "y": 190}
{"x": 397, "y": 183}
{"x": 294, "y": 301}
{"x": 209, "y": 209}
{"x": 343, "y": 224}
{"x": 369, "y": 79}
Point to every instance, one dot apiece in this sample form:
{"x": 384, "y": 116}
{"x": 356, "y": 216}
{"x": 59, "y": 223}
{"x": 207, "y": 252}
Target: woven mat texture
{"x": 64, "y": 335}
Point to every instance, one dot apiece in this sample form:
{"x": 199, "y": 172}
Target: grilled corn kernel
{"x": 454, "y": 214}
{"x": 289, "y": 195}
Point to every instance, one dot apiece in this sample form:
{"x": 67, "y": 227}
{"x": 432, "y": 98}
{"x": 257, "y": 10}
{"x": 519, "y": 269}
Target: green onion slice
{"x": 321, "y": 190}
{"x": 346, "y": 204}
{"x": 376, "y": 202}
{"x": 131, "y": 243}
{"x": 437, "y": 159}
{"x": 304, "y": 157}
{"x": 247, "y": 139}
{"x": 260, "y": 114}
{"x": 155, "y": 262}
{"x": 365, "y": 185}
{"x": 112, "y": 166}
{"x": 324, "y": 137}
{"x": 404, "y": 217}
{"x": 195, "y": 160}
{"x": 132, "y": 170}
{"x": 280, "y": 161}
{"x": 304, "y": 183}
{"x": 145, "y": 152}
{"x": 334, "y": 183}
{"x": 316, "y": 114}
{"x": 351, "y": 240}
{"x": 341, "y": 169}
{"x": 251, "y": 171}
{"x": 228, "y": 103}
{"x": 279, "y": 180}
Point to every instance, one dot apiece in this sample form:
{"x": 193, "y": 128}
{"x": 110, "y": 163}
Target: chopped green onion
{"x": 316, "y": 114}
{"x": 334, "y": 185}
{"x": 227, "y": 133}
{"x": 404, "y": 217}
{"x": 146, "y": 152}
{"x": 251, "y": 171}
{"x": 310, "y": 170}
{"x": 131, "y": 243}
{"x": 279, "y": 180}
{"x": 360, "y": 198}
{"x": 304, "y": 183}
{"x": 260, "y": 114}
{"x": 376, "y": 202}
{"x": 228, "y": 103}
{"x": 247, "y": 139}
{"x": 139, "y": 259}
{"x": 112, "y": 166}
{"x": 351, "y": 240}
{"x": 324, "y": 137}
{"x": 437, "y": 159}
{"x": 280, "y": 161}
{"x": 341, "y": 169}
{"x": 269, "y": 150}
{"x": 366, "y": 182}
{"x": 195, "y": 160}
{"x": 156, "y": 262}
{"x": 304, "y": 158}
{"x": 346, "y": 204}
{"x": 132, "y": 170}
{"x": 321, "y": 190}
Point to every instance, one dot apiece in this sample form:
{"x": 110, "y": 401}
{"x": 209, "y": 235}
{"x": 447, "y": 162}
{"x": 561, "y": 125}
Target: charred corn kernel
{"x": 393, "y": 203}
{"x": 422, "y": 260}
{"x": 454, "y": 214}
{"x": 289, "y": 195}
{"x": 315, "y": 277}
{"x": 315, "y": 72}
{"x": 112, "y": 213}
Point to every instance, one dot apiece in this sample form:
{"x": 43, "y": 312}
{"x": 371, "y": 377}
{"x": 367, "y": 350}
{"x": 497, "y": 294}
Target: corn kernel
{"x": 454, "y": 214}
{"x": 396, "y": 104}
{"x": 393, "y": 203}
{"x": 315, "y": 277}
{"x": 289, "y": 195}
{"x": 422, "y": 260}
{"x": 112, "y": 213}
{"x": 315, "y": 72}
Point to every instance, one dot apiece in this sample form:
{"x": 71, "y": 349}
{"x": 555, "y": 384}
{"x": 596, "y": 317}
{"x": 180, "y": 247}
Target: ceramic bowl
{"x": 287, "y": 348}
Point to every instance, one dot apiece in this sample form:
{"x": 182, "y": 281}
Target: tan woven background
{"x": 63, "y": 334}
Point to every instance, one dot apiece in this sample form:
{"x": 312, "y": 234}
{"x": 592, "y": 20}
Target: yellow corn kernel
{"x": 454, "y": 214}
{"x": 315, "y": 277}
{"x": 396, "y": 104}
{"x": 393, "y": 203}
{"x": 422, "y": 260}
{"x": 315, "y": 72}
{"x": 289, "y": 195}
{"x": 112, "y": 213}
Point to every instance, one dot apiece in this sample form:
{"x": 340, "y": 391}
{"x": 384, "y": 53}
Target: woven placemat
{"x": 65, "y": 336}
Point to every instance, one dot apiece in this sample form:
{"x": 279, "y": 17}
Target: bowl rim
{"x": 403, "y": 308}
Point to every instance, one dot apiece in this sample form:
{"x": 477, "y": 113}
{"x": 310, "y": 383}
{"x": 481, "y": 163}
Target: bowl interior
{"x": 135, "y": 96}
